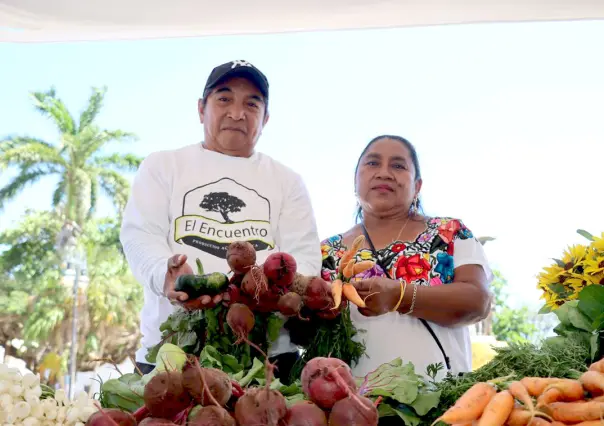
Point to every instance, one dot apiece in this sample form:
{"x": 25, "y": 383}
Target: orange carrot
{"x": 593, "y": 382}
{"x": 362, "y": 266}
{"x": 470, "y": 405}
{"x": 497, "y": 410}
{"x": 351, "y": 294}
{"x": 348, "y": 270}
{"x": 519, "y": 417}
{"x": 566, "y": 390}
{"x": 573, "y": 412}
{"x": 344, "y": 261}
{"x": 336, "y": 293}
{"x": 597, "y": 366}
{"x": 536, "y": 385}
{"x": 519, "y": 392}
{"x": 357, "y": 243}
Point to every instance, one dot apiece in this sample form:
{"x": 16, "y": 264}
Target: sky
{"x": 507, "y": 118}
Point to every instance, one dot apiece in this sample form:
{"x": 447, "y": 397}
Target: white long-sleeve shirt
{"x": 196, "y": 202}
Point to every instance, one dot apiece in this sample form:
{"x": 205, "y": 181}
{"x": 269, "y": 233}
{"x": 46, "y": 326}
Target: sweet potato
{"x": 280, "y": 269}
{"x": 350, "y": 411}
{"x": 165, "y": 395}
{"x": 260, "y": 406}
{"x": 305, "y": 413}
{"x": 241, "y": 256}
{"x": 327, "y": 380}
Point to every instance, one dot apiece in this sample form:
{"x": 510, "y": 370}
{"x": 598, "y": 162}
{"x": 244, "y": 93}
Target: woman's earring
{"x": 414, "y": 206}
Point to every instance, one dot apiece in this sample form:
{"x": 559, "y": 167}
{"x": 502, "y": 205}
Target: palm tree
{"x": 77, "y": 158}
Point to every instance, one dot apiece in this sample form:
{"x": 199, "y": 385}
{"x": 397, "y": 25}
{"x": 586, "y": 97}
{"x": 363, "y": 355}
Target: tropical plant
{"x": 36, "y": 299}
{"x": 78, "y": 157}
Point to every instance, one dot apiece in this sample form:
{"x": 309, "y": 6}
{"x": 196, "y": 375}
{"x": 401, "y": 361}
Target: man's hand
{"x": 380, "y": 294}
{"x": 177, "y": 265}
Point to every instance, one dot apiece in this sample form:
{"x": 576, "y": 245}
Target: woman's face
{"x": 385, "y": 180}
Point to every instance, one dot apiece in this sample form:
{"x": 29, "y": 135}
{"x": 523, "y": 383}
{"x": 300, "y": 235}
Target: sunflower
{"x": 598, "y": 243}
{"x": 552, "y": 301}
{"x": 594, "y": 264}
{"x": 551, "y": 275}
{"x": 574, "y": 255}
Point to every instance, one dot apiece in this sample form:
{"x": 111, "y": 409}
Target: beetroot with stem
{"x": 241, "y": 256}
{"x": 110, "y": 417}
{"x": 290, "y": 304}
{"x": 260, "y": 406}
{"x": 305, "y": 413}
{"x": 327, "y": 380}
{"x": 217, "y": 384}
{"x": 280, "y": 269}
{"x": 354, "y": 411}
{"x": 156, "y": 421}
{"x": 318, "y": 295}
{"x": 211, "y": 416}
{"x": 165, "y": 395}
{"x": 254, "y": 283}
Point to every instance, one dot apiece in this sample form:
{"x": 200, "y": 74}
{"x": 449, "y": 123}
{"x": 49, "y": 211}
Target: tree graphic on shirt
{"x": 223, "y": 203}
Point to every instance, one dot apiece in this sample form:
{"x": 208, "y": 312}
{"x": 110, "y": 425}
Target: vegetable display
{"x": 532, "y": 401}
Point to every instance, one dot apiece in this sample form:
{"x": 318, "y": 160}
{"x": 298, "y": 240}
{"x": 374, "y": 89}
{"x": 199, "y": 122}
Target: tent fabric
{"x": 77, "y": 20}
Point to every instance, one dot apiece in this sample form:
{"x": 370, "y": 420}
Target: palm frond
{"x": 49, "y": 105}
{"x": 59, "y": 194}
{"x": 103, "y": 137}
{"x": 123, "y": 162}
{"x": 31, "y": 153}
{"x": 95, "y": 103}
{"x": 94, "y": 196}
{"x": 17, "y": 141}
{"x": 116, "y": 186}
{"x": 19, "y": 182}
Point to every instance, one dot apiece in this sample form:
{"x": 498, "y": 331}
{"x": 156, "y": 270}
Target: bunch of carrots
{"x": 533, "y": 401}
{"x": 347, "y": 269}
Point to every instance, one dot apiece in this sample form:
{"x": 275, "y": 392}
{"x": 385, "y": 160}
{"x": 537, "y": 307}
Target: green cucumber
{"x": 200, "y": 285}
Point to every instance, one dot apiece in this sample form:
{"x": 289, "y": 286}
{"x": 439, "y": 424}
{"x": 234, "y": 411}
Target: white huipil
{"x": 194, "y": 201}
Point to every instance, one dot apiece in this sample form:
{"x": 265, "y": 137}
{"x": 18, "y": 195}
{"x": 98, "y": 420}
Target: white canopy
{"x": 75, "y": 20}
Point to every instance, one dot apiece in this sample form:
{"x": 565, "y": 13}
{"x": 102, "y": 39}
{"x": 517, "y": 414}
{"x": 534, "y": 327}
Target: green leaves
{"x": 406, "y": 394}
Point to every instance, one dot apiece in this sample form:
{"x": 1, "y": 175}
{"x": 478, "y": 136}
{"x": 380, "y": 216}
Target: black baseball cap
{"x": 238, "y": 68}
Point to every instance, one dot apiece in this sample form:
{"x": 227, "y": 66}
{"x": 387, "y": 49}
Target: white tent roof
{"x": 74, "y": 20}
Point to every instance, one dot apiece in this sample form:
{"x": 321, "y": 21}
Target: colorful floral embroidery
{"x": 426, "y": 261}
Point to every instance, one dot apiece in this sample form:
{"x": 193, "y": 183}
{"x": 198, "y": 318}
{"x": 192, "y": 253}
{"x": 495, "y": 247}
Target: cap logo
{"x": 240, "y": 63}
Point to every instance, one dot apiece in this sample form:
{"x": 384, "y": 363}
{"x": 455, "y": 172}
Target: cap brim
{"x": 249, "y": 73}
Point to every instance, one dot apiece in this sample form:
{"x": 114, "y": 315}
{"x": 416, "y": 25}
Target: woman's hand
{"x": 380, "y": 294}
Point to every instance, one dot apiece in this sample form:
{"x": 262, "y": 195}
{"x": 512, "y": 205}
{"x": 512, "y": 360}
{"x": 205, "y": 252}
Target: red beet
{"x": 255, "y": 283}
{"x": 260, "y": 406}
{"x": 305, "y": 413}
{"x": 218, "y": 383}
{"x": 211, "y": 416}
{"x": 318, "y": 295}
{"x": 111, "y": 417}
{"x": 156, "y": 421}
{"x": 290, "y": 304}
{"x": 327, "y": 380}
{"x": 241, "y": 256}
{"x": 241, "y": 320}
{"x": 280, "y": 269}
{"x": 165, "y": 395}
{"x": 354, "y": 411}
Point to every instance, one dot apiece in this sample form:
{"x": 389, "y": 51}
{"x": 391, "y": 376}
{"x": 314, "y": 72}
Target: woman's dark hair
{"x": 414, "y": 160}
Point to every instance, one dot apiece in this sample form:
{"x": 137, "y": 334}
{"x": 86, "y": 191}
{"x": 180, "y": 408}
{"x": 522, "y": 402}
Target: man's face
{"x": 233, "y": 117}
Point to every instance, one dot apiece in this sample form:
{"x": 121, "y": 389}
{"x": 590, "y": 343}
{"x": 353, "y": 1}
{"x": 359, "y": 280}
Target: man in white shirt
{"x": 192, "y": 202}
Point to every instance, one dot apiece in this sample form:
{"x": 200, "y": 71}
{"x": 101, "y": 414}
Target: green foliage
{"x": 36, "y": 301}
{"x": 78, "y": 157}
{"x": 509, "y": 324}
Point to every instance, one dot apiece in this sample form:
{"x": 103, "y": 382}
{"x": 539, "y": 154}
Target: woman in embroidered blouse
{"x": 435, "y": 264}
